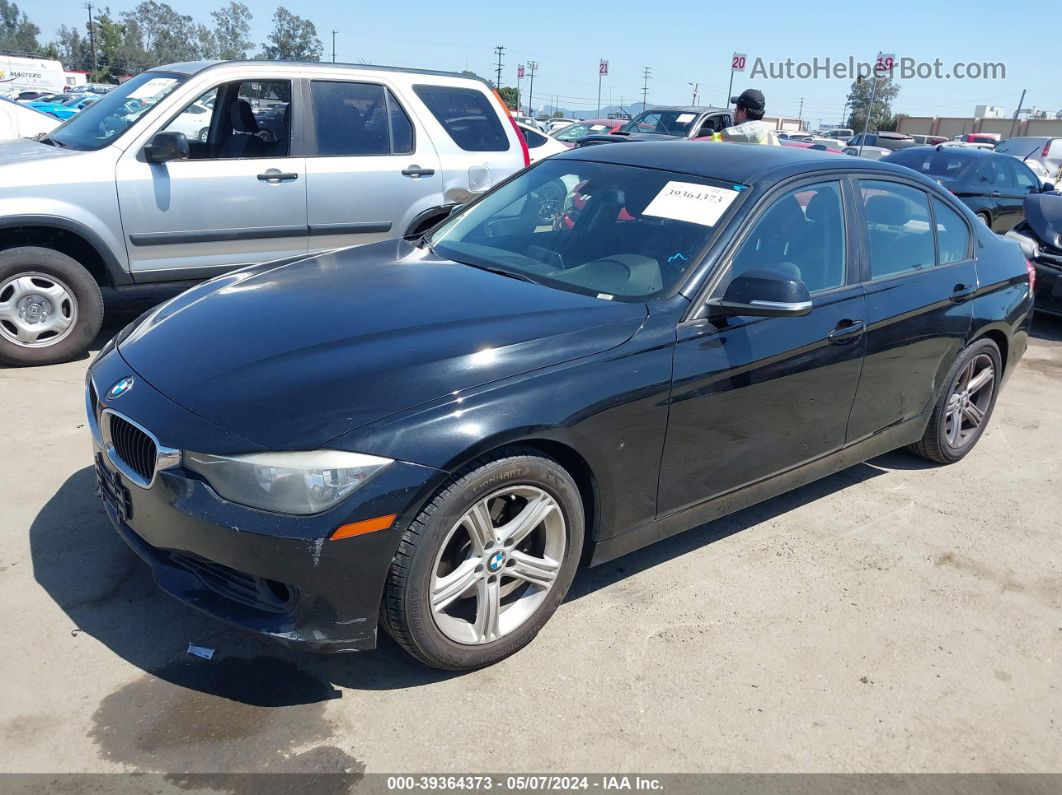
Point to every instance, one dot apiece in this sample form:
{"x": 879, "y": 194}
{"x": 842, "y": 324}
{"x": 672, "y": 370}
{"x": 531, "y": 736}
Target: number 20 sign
{"x": 737, "y": 62}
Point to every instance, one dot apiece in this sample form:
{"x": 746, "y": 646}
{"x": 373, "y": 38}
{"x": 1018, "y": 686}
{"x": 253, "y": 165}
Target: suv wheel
{"x": 486, "y": 563}
{"x": 50, "y": 306}
{"x": 962, "y": 412}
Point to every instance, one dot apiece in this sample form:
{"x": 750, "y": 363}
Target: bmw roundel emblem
{"x": 496, "y": 560}
{"x": 120, "y": 388}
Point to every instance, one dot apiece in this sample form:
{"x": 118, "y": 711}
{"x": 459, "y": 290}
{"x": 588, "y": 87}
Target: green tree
{"x": 508, "y": 95}
{"x": 293, "y": 39}
{"x": 859, "y": 102}
{"x": 164, "y": 35}
{"x": 232, "y": 29}
{"x": 17, "y": 33}
{"x": 72, "y": 48}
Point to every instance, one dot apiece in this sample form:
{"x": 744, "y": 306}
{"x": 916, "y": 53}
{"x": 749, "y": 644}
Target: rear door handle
{"x": 275, "y": 175}
{"x": 962, "y": 292}
{"x": 846, "y": 331}
{"x": 416, "y": 171}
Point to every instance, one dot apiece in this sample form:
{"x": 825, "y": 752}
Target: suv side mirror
{"x": 1047, "y": 187}
{"x": 166, "y": 146}
{"x": 763, "y": 292}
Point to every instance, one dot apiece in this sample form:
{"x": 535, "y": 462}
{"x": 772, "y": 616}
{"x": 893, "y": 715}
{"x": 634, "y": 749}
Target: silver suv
{"x": 191, "y": 170}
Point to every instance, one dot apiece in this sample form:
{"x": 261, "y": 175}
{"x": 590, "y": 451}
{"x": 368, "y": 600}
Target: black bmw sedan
{"x": 994, "y": 186}
{"x": 614, "y": 345}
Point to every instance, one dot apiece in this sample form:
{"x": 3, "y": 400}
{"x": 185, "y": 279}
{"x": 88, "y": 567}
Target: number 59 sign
{"x": 737, "y": 62}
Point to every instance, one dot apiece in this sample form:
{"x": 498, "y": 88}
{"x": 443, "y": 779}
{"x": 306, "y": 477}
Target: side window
{"x": 350, "y": 118}
{"x": 467, "y": 115}
{"x": 534, "y": 140}
{"x": 401, "y": 127}
{"x": 801, "y": 234}
{"x": 897, "y": 218}
{"x": 194, "y": 121}
{"x": 253, "y": 121}
{"x": 994, "y": 171}
{"x": 1024, "y": 178}
{"x": 953, "y": 236}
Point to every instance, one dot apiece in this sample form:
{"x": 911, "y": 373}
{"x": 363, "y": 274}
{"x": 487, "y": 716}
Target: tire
{"x": 204, "y": 134}
{"x": 941, "y": 442}
{"x": 439, "y": 557}
{"x": 985, "y": 218}
{"x": 43, "y": 286}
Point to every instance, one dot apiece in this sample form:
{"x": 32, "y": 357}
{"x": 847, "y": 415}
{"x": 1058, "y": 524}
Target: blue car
{"x": 63, "y": 110}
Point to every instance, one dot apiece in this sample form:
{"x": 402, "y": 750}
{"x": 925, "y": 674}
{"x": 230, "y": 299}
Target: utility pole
{"x": 92, "y": 37}
{"x": 870, "y": 108}
{"x": 800, "y": 114}
{"x": 519, "y": 79}
{"x": 695, "y": 87}
{"x": 645, "y": 86}
{"x": 499, "y": 49}
{"x": 1020, "y": 103}
{"x": 334, "y": 32}
{"x": 532, "y": 65}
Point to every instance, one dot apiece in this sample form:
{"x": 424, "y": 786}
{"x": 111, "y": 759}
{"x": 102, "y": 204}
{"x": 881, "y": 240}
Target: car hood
{"x": 1043, "y": 213}
{"x": 19, "y": 150}
{"x": 289, "y": 355}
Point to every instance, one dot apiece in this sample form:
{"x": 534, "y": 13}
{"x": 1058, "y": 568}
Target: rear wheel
{"x": 963, "y": 411}
{"x": 486, "y": 563}
{"x": 986, "y": 219}
{"x": 50, "y": 306}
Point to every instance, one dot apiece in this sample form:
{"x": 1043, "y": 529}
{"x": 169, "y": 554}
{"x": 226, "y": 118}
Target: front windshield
{"x": 613, "y": 231}
{"x": 661, "y": 122}
{"x": 574, "y": 132}
{"x": 104, "y": 120}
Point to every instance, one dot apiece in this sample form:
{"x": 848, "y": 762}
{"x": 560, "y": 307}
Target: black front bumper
{"x": 277, "y": 575}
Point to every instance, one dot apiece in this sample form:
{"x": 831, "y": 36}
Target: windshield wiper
{"x": 51, "y": 142}
{"x": 502, "y": 272}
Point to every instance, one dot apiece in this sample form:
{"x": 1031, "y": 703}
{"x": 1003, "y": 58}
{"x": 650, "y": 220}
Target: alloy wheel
{"x": 970, "y": 400}
{"x": 36, "y": 310}
{"x": 497, "y": 564}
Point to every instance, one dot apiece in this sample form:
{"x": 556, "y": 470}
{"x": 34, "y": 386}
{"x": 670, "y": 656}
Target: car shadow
{"x": 109, "y": 594}
{"x": 1047, "y": 327}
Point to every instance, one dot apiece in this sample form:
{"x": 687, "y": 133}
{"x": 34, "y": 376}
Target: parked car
{"x": 555, "y": 125}
{"x": 35, "y": 95}
{"x": 931, "y": 140}
{"x": 1040, "y": 237}
{"x": 19, "y": 121}
{"x": 1037, "y": 168}
{"x": 842, "y": 134}
{"x": 831, "y": 148}
{"x": 884, "y": 140}
{"x": 993, "y": 186}
{"x": 457, "y": 422}
{"x": 868, "y": 152}
{"x": 1043, "y": 150}
{"x": 337, "y": 155}
{"x": 541, "y": 146}
{"x": 528, "y": 121}
{"x": 579, "y": 130}
{"x": 64, "y": 109}
{"x": 659, "y": 124}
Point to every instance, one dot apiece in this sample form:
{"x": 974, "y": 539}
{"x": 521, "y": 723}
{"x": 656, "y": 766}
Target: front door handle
{"x": 846, "y": 331}
{"x": 961, "y": 293}
{"x": 276, "y": 175}
{"x": 416, "y": 171}
{"x": 995, "y": 194}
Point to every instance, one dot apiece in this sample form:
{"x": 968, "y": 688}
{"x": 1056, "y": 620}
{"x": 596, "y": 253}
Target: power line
{"x": 646, "y": 74}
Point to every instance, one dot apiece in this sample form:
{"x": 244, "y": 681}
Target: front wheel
{"x": 486, "y": 563}
{"x": 963, "y": 410}
{"x": 50, "y": 306}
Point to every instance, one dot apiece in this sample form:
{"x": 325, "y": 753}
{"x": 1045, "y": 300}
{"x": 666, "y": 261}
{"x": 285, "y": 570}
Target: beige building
{"x": 950, "y": 126}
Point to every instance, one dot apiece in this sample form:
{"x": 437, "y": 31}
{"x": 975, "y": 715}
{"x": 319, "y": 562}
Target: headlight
{"x": 296, "y": 483}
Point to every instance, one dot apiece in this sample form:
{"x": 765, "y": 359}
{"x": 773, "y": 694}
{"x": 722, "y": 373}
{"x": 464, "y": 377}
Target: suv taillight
{"x": 519, "y": 134}
{"x": 1047, "y": 148}
{"x": 1032, "y": 276}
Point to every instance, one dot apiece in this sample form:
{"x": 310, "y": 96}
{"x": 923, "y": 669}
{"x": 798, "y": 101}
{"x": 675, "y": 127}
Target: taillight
{"x": 1047, "y": 147}
{"x": 1032, "y": 276}
{"x": 519, "y": 134}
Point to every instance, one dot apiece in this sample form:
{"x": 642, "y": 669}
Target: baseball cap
{"x": 750, "y": 98}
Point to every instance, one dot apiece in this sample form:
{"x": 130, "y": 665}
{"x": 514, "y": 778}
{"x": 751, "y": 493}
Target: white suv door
{"x": 239, "y": 198}
{"x": 371, "y": 168}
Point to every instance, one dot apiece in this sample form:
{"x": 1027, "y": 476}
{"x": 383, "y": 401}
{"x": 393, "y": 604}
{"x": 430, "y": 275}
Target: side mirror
{"x": 763, "y": 292}
{"x": 166, "y": 146}
{"x": 1047, "y": 187}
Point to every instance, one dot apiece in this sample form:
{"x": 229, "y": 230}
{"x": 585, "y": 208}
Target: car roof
{"x": 685, "y": 108}
{"x": 961, "y": 151}
{"x": 730, "y": 162}
{"x": 194, "y": 67}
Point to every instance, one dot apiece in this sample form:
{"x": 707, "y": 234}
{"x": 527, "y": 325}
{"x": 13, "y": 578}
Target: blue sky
{"x": 683, "y": 42}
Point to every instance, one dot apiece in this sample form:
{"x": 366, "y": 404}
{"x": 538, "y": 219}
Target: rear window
{"x": 467, "y": 115}
{"x": 1021, "y": 146}
{"x": 934, "y": 163}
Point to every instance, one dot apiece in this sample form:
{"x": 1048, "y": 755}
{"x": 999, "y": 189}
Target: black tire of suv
{"x": 86, "y": 294}
{"x": 934, "y": 444}
{"x": 405, "y": 612}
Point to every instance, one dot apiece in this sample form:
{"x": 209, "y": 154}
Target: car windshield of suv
{"x": 602, "y": 229}
{"x": 111, "y": 115}
{"x": 661, "y": 122}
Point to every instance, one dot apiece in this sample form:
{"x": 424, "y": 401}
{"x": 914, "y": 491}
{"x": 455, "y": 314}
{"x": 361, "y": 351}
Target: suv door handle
{"x": 995, "y": 194}
{"x": 846, "y": 331}
{"x": 416, "y": 171}
{"x": 275, "y": 175}
{"x": 962, "y": 292}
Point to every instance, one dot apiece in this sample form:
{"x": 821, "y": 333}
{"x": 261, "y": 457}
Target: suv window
{"x": 534, "y": 139}
{"x": 358, "y": 119}
{"x": 801, "y": 234}
{"x": 897, "y": 218}
{"x": 467, "y": 115}
{"x": 953, "y": 235}
{"x": 253, "y": 121}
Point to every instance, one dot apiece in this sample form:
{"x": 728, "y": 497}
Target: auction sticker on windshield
{"x": 688, "y": 201}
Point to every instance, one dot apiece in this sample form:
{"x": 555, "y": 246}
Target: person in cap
{"x": 750, "y": 127}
